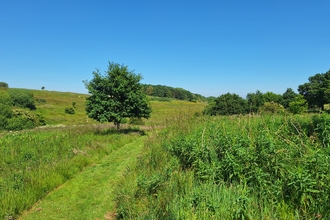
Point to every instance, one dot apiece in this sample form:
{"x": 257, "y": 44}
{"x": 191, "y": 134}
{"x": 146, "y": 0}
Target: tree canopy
{"x": 317, "y": 90}
{"x": 227, "y": 104}
{"x": 116, "y": 95}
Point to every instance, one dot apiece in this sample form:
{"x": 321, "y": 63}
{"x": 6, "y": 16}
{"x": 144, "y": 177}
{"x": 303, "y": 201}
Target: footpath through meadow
{"x": 91, "y": 193}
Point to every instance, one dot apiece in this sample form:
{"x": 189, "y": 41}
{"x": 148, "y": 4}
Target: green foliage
{"x": 5, "y": 98}
{"x": 227, "y": 104}
{"x": 288, "y": 96}
{"x": 264, "y": 167}
{"x": 116, "y": 95}
{"x": 272, "y": 97}
{"x": 271, "y": 108}
{"x": 74, "y": 104}
{"x": 170, "y": 92}
{"x": 69, "y": 110}
{"x": 22, "y": 98}
{"x": 4, "y": 85}
{"x": 317, "y": 90}
{"x": 255, "y": 100}
{"x": 298, "y": 105}
{"x": 321, "y": 124}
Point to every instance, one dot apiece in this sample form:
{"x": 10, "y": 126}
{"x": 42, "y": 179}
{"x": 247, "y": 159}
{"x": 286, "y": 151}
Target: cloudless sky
{"x": 207, "y": 47}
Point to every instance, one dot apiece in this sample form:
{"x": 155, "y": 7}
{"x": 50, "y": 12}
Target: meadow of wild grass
{"x": 35, "y": 162}
{"x": 239, "y": 167}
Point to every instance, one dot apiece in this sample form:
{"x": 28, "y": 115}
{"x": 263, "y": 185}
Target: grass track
{"x": 89, "y": 195}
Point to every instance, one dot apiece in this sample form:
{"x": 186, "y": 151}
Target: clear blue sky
{"x": 208, "y": 47}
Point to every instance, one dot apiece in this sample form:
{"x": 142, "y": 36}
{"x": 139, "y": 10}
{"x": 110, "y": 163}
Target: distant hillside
{"x": 51, "y": 105}
{"x": 170, "y": 92}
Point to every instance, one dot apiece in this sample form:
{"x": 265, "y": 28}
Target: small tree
{"x": 4, "y": 85}
{"x": 43, "y": 88}
{"x": 116, "y": 95}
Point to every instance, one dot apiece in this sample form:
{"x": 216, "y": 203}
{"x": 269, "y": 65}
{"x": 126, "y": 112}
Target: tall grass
{"x": 269, "y": 167}
{"x": 32, "y": 163}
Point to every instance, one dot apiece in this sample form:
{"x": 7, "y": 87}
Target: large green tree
{"x": 116, "y": 95}
{"x": 255, "y": 100}
{"x": 317, "y": 90}
{"x": 288, "y": 96}
{"x": 227, "y": 104}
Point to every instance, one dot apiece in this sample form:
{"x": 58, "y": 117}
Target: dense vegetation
{"x": 170, "y": 92}
{"x": 16, "y": 110}
{"x": 313, "y": 95}
{"x": 270, "y": 167}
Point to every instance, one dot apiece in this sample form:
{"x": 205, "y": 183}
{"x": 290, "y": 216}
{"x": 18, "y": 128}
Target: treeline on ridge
{"x": 170, "y": 92}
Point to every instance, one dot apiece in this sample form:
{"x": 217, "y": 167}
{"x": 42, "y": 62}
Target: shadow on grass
{"x": 110, "y": 131}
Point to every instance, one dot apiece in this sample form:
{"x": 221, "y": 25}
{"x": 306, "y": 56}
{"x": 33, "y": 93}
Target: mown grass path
{"x": 89, "y": 195}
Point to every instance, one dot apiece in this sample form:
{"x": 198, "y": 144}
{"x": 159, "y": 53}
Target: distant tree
{"x": 317, "y": 90}
{"x": 288, "y": 96}
{"x": 43, "y": 88}
{"x": 255, "y": 100}
{"x": 4, "y": 85}
{"x": 272, "y": 97}
{"x": 227, "y": 104}
{"x": 116, "y": 95}
{"x": 298, "y": 105}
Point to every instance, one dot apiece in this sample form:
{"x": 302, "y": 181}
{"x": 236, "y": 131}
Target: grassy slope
{"x": 56, "y": 102}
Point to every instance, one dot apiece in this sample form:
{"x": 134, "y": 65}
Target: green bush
{"x": 22, "y": 98}
{"x": 3, "y": 85}
{"x": 19, "y": 123}
{"x": 69, "y": 110}
{"x": 271, "y": 108}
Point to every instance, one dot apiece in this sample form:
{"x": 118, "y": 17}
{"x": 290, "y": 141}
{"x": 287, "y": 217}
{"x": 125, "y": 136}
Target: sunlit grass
{"x": 35, "y": 162}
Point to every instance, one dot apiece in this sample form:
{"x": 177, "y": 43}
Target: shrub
{"x": 69, "y": 110}
{"x": 3, "y": 85}
{"x": 22, "y": 98}
{"x": 19, "y": 123}
{"x": 271, "y": 108}
{"x": 36, "y": 119}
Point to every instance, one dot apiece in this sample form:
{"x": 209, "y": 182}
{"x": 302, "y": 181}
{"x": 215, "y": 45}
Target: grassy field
{"x": 37, "y": 161}
{"x": 194, "y": 167}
